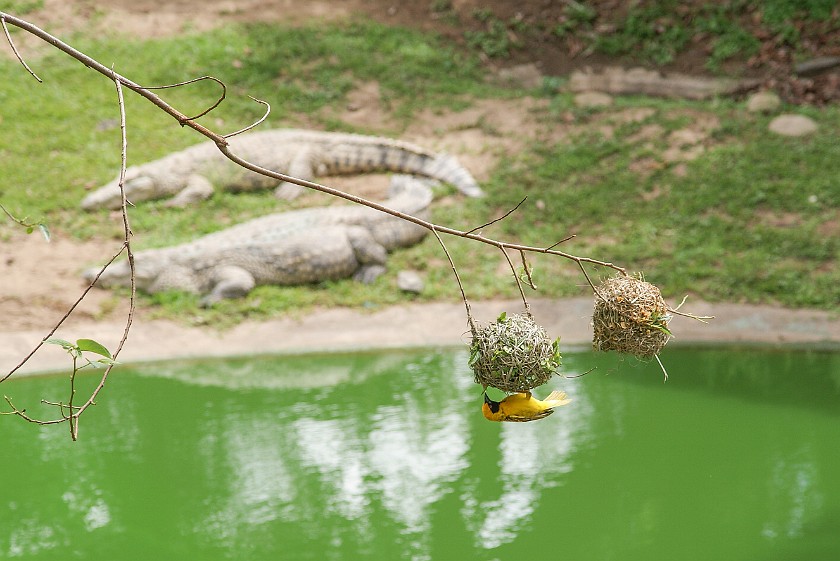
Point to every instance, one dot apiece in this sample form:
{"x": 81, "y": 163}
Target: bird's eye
{"x": 492, "y": 405}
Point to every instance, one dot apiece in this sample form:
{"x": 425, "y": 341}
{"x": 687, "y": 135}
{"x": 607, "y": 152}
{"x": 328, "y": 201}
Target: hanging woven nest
{"x": 513, "y": 354}
{"x": 630, "y": 317}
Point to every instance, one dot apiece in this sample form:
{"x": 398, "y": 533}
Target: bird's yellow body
{"x": 521, "y": 407}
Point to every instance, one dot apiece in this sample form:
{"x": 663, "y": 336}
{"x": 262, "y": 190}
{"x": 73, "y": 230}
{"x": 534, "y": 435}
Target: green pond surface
{"x": 387, "y": 456}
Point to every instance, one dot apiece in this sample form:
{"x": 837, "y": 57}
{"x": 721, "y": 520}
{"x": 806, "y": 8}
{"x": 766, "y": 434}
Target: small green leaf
{"x": 107, "y": 361}
{"x": 473, "y": 357}
{"x": 30, "y": 229}
{"x": 61, "y": 343}
{"x": 502, "y": 317}
{"x": 45, "y": 231}
{"x": 92, "y": 346}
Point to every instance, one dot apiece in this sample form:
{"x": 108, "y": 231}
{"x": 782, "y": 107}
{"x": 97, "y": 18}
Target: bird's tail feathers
{"x": 557, "y": 398}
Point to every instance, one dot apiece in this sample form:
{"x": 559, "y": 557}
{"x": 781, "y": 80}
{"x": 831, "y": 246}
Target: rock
{"x": 792, "y": 125}
{"x": 634, "y": 81}
{"x": 763, "y": 102}
{"x": 410, "y": 281}
{"x": 816, "y": 66}
{"x": 524, "y": 75}
{"x": 593, "y": 99}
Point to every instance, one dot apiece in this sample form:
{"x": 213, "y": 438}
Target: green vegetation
{"x": 654, "y": 32}
{"x": 657, "y": 31}
{"x": 780, "y": 15}
{"x": 22, "y": 7}
{"x": 752, "y": 218}
{"x": 498, "y": 37}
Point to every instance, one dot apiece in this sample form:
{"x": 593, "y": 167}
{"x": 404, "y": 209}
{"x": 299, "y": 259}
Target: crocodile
{"x": 287, "y": 248}
{"x": 191, "y": 175}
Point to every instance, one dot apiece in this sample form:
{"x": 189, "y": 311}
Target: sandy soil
{"x": 39, "y": 281}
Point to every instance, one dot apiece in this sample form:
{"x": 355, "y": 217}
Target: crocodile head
{"x": 117, "y": 274}
{"x": 139, "y": 185}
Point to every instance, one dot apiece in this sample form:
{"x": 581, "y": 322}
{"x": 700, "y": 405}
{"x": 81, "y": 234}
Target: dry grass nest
{"x": 513, "y": 354}
{"x": 630, "y": 317}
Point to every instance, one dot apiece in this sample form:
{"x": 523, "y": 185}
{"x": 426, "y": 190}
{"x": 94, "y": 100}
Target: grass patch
{"x": 497, "y": 38}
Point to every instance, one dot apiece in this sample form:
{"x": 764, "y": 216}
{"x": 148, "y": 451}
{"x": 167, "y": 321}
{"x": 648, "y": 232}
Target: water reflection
{"x": 359, "y": 456}
{"x": 532, "y": 457}
{"x": 793, "y": 492}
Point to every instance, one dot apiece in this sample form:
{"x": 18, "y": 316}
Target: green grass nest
{"x": 630, "y": 317}
{"x": 513, "y": 354}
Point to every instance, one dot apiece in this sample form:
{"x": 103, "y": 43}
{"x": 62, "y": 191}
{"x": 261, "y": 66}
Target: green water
{"x": 388, "y": 457}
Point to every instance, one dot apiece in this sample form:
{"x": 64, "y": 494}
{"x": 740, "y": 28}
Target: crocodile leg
{"x": 301, "y": 168}
{"x": 230, "y": 281}
{"x": 370, "y": 254}
{"x": 198, "y": 189}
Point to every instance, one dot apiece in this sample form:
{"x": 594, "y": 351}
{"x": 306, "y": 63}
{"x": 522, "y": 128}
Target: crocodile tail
{"x": 448, "y": 169}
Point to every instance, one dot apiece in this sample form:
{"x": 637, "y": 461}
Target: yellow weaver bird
{"x": 522, "y": 407}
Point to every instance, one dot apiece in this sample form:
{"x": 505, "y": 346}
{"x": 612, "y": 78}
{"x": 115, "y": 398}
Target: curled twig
{"x": 255, "y": 123}
{"x": 199, "y": 79}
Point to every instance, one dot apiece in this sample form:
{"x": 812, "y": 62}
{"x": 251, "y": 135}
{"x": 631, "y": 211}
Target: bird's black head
{"x": 493, "y": 405}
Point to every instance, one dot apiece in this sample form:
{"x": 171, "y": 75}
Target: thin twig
{"x": 57, "y": 404}
{"x": 508, "y": 213}
{"x": 184, "y": 83}
{"x": 255, "y": 123}
{"x": 74, "y": 417}
{"x": 22, "y": 414}
{"x": 518, "y": 282}
{"x": 686, "y": 314}
{"x": 580, "y": 375}
{"x": 527, "y": 270}
{"x": 585, "y": 274}
{"x": 567, "y": 238}
{"x": 470, "y": 320}
{"x": 662, "y": 366}
{"x": 14, "y": 49}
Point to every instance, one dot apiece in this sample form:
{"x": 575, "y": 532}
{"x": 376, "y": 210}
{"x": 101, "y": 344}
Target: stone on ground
{"x": 792, "y": 125}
